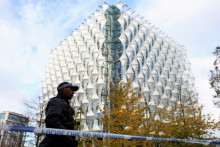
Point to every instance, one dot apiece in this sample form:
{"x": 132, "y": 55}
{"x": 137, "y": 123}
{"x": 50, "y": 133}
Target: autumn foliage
{"x": 128, "y": 114}
{"x": 124, "y": 114}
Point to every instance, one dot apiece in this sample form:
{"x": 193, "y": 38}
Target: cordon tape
{"x": 97, "y": 135}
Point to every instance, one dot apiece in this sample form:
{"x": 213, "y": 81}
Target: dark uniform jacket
{"x": 59, "y": 115}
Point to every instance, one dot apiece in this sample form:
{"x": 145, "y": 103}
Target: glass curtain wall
{"x": 112, "y": 48}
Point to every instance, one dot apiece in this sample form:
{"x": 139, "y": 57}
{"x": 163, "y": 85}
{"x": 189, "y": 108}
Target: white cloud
{"x": 202, "y": 65}
{"x": 200, "y": 69}
{"x": 167, "y": 13}
{"x": 28, "y": 33}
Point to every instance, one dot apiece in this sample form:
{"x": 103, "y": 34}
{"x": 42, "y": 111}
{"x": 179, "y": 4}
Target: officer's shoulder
{"x": 55, "y": 99}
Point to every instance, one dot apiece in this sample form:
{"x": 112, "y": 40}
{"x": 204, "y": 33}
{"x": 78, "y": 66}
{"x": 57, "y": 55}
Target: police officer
{"x": 59, "y": 115}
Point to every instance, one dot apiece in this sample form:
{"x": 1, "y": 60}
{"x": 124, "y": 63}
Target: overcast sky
{"x": 29, "y": 30}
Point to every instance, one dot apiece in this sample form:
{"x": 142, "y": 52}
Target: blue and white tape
{"x": 97, "y": 135}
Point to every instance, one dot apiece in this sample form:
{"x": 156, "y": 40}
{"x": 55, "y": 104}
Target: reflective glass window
{"x": 2, "y": 116}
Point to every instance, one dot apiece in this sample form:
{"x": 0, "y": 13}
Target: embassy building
{"x": 115, "y": 44}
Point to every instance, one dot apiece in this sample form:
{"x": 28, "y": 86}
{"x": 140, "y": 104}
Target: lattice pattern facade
{"x": 115, "y": 44}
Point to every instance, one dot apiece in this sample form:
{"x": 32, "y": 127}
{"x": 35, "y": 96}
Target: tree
{"x": 214, "y": 79}
{"x": 184, "y": 121}
{"x": 128, "y": 115}
{"x": 125, "y": 113}
{"x": 35, "y": 113}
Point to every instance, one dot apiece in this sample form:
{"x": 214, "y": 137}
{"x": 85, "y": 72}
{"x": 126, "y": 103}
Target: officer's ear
{"x": 60, "y": 91}
{"x": 64, "y": 90}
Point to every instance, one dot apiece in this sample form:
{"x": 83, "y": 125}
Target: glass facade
{"x": 2, "y": 116}
{"x": 16, "y": 118}
{"x": 112, "y": 44}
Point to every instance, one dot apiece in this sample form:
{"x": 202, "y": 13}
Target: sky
{"x": 29, "y": 30}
